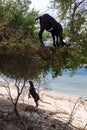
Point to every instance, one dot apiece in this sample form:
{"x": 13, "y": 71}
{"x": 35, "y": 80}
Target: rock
{"x": 53, "y": 126}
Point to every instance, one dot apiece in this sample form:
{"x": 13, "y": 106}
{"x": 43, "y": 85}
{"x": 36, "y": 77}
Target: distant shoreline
{"x": 76, "y": 85}
{"x": 68, "y": 94}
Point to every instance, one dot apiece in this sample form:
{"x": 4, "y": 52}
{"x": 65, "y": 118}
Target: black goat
{"x": 33, "y": 93}
{"x": 49, "y": 24}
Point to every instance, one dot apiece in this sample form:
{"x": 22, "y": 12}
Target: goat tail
{"x": 37, "y": 18}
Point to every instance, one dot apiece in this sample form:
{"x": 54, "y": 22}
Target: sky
{"x": 42, "y": 6}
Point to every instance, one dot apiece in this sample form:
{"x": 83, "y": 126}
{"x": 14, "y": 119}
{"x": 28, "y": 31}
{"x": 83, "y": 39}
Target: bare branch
{"x": 76, "y": 106}
{"x": 74, "y": 110}
{"x": 80, "y": 3}
{"x": 85, "y": 127}
{"x": 8, "y": 90}
{"x": 74, "y": 126}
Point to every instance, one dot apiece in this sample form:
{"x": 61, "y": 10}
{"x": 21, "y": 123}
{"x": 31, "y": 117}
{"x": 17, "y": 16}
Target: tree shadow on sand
{"x": 33, "y": 118}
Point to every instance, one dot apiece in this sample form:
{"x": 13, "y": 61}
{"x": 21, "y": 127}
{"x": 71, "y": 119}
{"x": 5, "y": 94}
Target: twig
{"x": 73, "y": 113}
{"x": 85, "y": 127}
{"x": 8, "y": 90}
{"x": 74, "y": 126}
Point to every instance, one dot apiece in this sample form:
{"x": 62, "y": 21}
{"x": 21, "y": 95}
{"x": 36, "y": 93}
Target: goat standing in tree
{"x": 49, "y": 24}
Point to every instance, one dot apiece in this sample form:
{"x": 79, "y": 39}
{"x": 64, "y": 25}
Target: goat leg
{"x": 53, "y": 40}
{"x": 40, "y": 37}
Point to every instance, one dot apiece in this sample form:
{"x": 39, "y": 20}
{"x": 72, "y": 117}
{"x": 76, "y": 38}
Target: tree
{"x": 17, "y": 24}
{"x": 74, "y": 15}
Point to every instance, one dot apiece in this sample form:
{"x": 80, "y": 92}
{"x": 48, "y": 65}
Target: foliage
{"x": 74, "y": 15}
{"x": 17, "y": 24}
{"x": 33, "y": 64}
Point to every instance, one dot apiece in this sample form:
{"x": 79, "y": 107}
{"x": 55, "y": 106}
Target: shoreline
{"x": 69, "y": 93}
{"x": 64, "y": 94}
{"x": 58, "y": 104}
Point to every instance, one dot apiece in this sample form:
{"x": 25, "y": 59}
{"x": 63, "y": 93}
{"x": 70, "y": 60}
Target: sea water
{"x": 67, "y": 84}
{"x": 75, "y": 85}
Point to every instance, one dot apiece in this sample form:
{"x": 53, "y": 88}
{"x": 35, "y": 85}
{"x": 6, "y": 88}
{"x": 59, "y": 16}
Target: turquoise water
{"x": 75, "y": 85}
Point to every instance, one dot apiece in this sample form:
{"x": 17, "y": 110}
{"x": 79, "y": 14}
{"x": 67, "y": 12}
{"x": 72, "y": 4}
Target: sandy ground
{"x": 61, "y": 106}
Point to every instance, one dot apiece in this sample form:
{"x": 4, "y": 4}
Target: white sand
{"x": 60, "y": 105}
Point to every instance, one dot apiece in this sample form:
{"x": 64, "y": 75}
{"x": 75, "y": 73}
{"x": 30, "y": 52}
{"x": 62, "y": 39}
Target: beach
{"x": 64, "y": 107}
